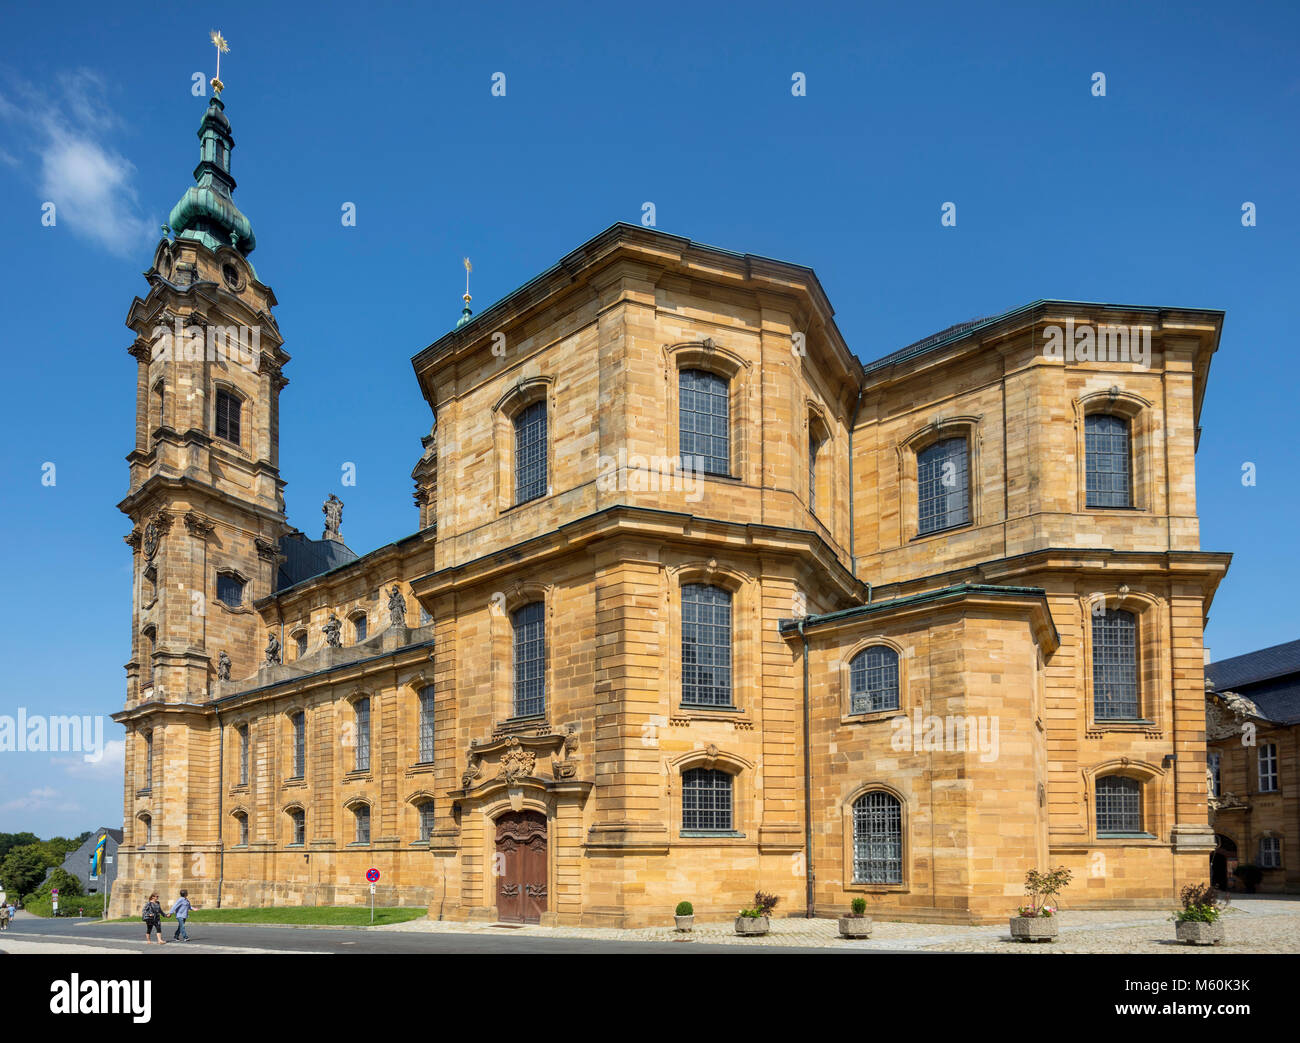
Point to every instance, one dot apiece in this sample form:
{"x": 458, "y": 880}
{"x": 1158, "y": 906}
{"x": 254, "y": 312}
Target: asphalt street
{"x": 217, "y": 938}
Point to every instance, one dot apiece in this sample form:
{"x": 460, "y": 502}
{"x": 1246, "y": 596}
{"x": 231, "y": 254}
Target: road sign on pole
{"x": 372, "y": 874}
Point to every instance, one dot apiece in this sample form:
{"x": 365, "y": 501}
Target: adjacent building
{"x": 694, "y": 603}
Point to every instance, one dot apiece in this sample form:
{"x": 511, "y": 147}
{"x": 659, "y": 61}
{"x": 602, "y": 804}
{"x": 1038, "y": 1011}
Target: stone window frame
{"x": 904, "y": 824}
{"x": 415, "y": 802}
{"x": 1139, "y": 414}
{"x": 351, "y": 805}
{"x": 410, "y": 692}
{"x": 705, "y": 354}
{"x": 820, "y": 485}
{"x": 1271, "y": 834}
{"x": 358, "y": 636}
{"x": 301, "y": 638}
{"x": 240, "y": 811}
{"x": 1152, "y": 780}
{"x": 289, "y": 715}
{"x": 844, "y": 675}
{"x": 522, "y": 394}
{"x": 349, "y": 743}
{"x": 501, "y": 643}
{"x": 746, "y": 632}
{"x": 941, "y": 429}
{"x": 744, "y": 823}
{"x": 145, "y": 821}
{"x": 1152, "y": 647}
{"x": 288, "y": 812}
{"x": 220, "y": 387}
{"x": 241, "y": 579}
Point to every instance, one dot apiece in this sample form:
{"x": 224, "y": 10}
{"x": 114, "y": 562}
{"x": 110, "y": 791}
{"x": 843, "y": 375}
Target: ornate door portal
{"x": 521, "y": 867}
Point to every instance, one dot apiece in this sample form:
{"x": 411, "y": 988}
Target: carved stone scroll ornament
{"x": 266, "y": 549}
{"x": 473, "y": 771}
{"x": 516, "y": 762}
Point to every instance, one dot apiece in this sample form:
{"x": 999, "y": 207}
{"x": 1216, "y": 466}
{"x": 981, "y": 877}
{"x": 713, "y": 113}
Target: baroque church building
{"x": 695, "y": 603}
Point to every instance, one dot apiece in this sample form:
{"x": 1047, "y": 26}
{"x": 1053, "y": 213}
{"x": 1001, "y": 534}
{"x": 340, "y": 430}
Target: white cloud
{"x": 109, "y": 766}
{"x": 34, "y": 800}
{"x": 88, "y": 181}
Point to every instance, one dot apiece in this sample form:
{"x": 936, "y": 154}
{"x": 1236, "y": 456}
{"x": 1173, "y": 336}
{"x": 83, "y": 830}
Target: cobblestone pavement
{"x": 1252, "y": 925}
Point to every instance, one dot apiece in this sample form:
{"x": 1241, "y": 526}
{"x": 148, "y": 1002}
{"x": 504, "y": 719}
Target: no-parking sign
{"x": 372, "y": 874}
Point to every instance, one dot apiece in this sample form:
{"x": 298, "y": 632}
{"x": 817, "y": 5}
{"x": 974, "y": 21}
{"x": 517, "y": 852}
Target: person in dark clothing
{"x": 152, "y": 917}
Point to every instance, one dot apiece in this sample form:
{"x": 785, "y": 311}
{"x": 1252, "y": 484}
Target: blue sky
{"x": 1131, "y": 198}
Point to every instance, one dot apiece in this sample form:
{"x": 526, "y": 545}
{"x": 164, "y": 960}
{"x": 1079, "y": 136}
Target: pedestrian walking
{"x": 4, "y": 916}
{"x": 152, "y": 917}
{"x": 181, "y": 910}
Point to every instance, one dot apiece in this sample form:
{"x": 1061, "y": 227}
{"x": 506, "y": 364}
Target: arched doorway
{"x": 521, "y": 867}
{"x": 1223, "y": 861}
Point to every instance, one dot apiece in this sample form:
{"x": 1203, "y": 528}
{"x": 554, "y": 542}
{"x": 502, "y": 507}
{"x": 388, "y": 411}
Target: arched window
{"x": 426, "y": 819}
{"x": 298, "y": 826}
{"x": 148, "y": 760}
{"x": 150, "y": 647}
{"x": 706, "y": 645}
{"x": 359, "y": 628}
{"x": 814, "y": 445}
{"x": 873, "y": 680}
{"x": 361, "y": 712}
{"x": 243, "y": 754}
{"x": 241, "y": 822}
{"x": 1114, "y": 665}
{"x": 146, "y": 827}
{"x": 877, "y": 839}
{"x": 299, "y": 723}
{"x": 1119, "y": 805}
{"x": 1107, "y": 452}
{"x": 529, "y": 625}
{"x": 362, "y": 814}
{"x": 704, "y": 415}
{"x": 706, "y": 800}
{"x": 530, "y": 452}
{"x": 228, "y": 408}
{"x": 943, "y": 485}
{"x": 300, "y": 643}
{"x": 230, "y": 589}
{"x": 426, "y": 725}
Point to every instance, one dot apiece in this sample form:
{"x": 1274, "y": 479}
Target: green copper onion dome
{"x": 206, "y": 212}
{"x": 465, "y": 313}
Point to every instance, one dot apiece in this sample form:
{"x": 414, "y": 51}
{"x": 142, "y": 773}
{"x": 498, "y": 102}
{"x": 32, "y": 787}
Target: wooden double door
{"x": 521, "y": 867}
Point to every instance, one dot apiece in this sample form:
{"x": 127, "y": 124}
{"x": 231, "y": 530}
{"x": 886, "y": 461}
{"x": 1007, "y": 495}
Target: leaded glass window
{"x": 873, "y": 680}
{"x": 530, "y": 452}
{"x": 359, "y": 627}
{"x": 426, "y": 820}
{"x": 230, "y": 589}
{"x": 362, "y": 710}
{"x": 426, "y": 725}
{"x": 243, "y": 755}
{"x": 1107, "y": 451}
{"x": 529, "y": 625}
{"x": 1268, "y": 768}
{"x": 362, "y": 813}
{"x": 705, "y": 420}
{"x": 243, "y": 829}
{"x": 706, "y": 800}
{"x": 299, "y": 745}
{"x": 1114, "y": 666}
{"x": 943, "y": 485}
{"x": 298, "y": 819}
{"x": 228, "y": 410}
{"x": 877, "y": 839}
{"x": 1119, "y": 805}
{"x": 706, "y": 645}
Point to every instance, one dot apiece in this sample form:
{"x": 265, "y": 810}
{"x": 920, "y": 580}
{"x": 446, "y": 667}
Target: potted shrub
{"x": 1250, "y": 875}
{"x": 857, "y": 924}
{"x": 1036, "y": 922}
{"x": 757, "y": 919}
{"x": 685, "y": 917}
{"x": 1199, "y": 921}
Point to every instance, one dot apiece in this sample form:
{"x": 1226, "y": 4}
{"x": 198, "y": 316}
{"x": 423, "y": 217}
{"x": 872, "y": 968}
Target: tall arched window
{"x": 361, "y": 713}
{"x": 300, "y": 643}
{"x": 943, "y": 485}
{"x": 297, "y": 826}
{"x": 362, "y": 815}
{"x": 228, "y": 407}
{"x": 359, "y": 628}
{"x": 1114, "y": 665}
{"x": 1107, "y": 453}
{"x": 426, "y": 725}
{"x": 873, "y": 680}
{"x": 299, "y": 723}
{"x": 706, "y": 645}
{"x": 241, "y": 824}
{"x": 150, "y": 647}
{"x": 706, "y": 800}
{"x": 529, "y": 626}
{"x": 530, "y": 452}
{"x": 146, "y": 828}
{"x": 243, "y": 754}
{"x": 1119, "y": 805}
{"x": 877, "y": 839}
{"x": 148, "y": 760}
{"x": 426, "y": 819}
{"x": 704, "y": 415}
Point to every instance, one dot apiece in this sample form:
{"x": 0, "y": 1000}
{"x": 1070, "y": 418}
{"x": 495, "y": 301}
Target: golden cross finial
{"x": 468, "y": 268}
{"x": 219, "y": 42}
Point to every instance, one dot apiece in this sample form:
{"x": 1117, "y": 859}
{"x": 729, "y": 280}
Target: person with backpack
{"x": 4, "y": 916}
{"x": 181, "y": 910}
{"x": 152, "y": 917}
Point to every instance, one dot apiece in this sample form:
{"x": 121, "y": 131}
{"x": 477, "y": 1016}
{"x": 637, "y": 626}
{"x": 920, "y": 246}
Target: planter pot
{"x": 751, "y": 925}
{"x": 1195, "y": 932}
{"x": 685, "y": 923}
{"x": 1033, "y": 928}
{"x": 855, "y": 927}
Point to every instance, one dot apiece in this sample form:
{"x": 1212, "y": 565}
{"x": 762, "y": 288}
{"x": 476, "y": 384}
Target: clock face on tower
{"x": 150, "y": 540}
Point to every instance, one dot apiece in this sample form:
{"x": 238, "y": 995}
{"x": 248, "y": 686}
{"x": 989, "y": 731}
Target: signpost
{"x": 372, "y": 874}
{"x": 54, "y": 894}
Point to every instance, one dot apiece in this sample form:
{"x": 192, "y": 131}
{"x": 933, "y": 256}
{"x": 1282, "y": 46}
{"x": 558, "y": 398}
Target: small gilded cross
{"x": 219, "y": 42}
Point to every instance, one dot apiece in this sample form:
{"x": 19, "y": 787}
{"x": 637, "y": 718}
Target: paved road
{"x": 31, "y": 934}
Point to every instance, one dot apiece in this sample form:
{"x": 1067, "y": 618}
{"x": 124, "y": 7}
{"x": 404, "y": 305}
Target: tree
{"x": 23, "y": 868}
{"x": 69, "y": 886}
{"x": 9, "y": 841}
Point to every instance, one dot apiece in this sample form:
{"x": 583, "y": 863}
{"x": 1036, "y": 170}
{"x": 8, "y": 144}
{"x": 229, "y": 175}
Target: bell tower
{"x": 206, "y": 503}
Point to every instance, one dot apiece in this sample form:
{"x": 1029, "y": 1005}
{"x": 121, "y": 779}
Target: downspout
{"x": 809, "y": 875}
{"x": 221, "y": 788}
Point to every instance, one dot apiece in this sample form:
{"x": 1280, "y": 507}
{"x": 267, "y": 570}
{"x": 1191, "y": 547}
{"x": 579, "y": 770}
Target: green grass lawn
{"x": 323, "y": 915}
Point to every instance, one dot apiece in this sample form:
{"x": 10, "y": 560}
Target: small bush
{"x": 1201, "y": 904}
{"x": 685, "y": 909}
{"x": 859, "y": 906}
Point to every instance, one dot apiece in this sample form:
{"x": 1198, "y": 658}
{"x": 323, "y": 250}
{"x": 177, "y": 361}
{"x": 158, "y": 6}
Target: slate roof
{"x": 305, "y": 558}
{"x": 1270, "y": 678}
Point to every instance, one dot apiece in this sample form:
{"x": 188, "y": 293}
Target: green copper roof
{"x": 206, "y": 212}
